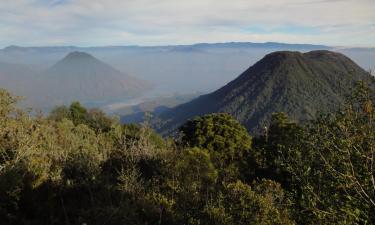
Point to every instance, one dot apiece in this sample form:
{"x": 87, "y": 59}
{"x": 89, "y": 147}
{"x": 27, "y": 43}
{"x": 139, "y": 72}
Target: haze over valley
{"x": 167, "y": 70}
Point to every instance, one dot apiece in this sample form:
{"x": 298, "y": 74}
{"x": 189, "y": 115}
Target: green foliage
{"x": 326, "y": 166}
{"x": 79, "y": 166}
{"x": 217, "y": 132}
{"x": 239, "y": 203}
{"x": 7, "y": 102}
{"x": 282, "y": 141}
{"x": 94, "y": 118}
{"x": 196, "y": 169}
{"x": 344, "y": 144}
{"x": 226, "y": 140}
{"x": 189, "y": 182}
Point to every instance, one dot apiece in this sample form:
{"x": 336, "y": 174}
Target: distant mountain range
{"x": 173, "y": 70}
{"x": 300, "y": 84}
{"x": 179, "y": 69}
{"x": 19, "y": 49}
{"x": 77, "y": 77}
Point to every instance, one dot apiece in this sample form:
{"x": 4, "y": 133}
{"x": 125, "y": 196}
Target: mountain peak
{"x": 281, "y": 56}
{"x": 80, "y": 60}
{"x": 295, "y": 54}
{"x": 79, "y": 55}
{"x": 284, "y": 54}
{"x": 324, "y": 54}
{"x": 11, "y": 48}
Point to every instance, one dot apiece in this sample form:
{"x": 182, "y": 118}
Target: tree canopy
{"x": 79, "y": 166}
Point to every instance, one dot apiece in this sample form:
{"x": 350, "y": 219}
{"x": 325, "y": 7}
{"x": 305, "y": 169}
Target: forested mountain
{"x": 300, "y": 84}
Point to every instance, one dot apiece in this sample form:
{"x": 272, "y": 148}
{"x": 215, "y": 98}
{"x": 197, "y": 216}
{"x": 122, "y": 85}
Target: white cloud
{"x": 153, "y": 22}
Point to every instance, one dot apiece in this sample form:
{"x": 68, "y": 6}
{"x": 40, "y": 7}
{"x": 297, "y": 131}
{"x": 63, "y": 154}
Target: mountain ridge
{"x": 226, "y": 44}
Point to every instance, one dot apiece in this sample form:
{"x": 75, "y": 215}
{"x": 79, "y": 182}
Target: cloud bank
{"x": 159, "y": 22}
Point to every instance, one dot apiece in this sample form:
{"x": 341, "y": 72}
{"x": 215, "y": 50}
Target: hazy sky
{"x": 158, "y": 22}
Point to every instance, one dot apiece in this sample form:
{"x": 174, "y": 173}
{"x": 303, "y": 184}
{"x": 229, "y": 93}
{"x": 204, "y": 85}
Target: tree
{"x": 96, "y": 119}
{"x": 326, "y": 166}
{"x": 262, "y": 204}
{"x": 226, "y": 140}
{"x": 282, "y": 142}
{"x": 345, "y": 145}
{"x": 191, "y": 185}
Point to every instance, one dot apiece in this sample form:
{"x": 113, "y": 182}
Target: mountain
{"x": 299, "y": 84}
{"x": 80, "y": 76}
{"x": 202, "y": 67}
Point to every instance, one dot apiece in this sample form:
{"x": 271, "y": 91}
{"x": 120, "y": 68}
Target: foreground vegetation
{"x": 78, "y": 166}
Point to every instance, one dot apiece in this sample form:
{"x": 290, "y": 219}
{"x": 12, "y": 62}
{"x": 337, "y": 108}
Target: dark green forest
{"x": 80, "y": 166}
{"x": 302, "y": 85}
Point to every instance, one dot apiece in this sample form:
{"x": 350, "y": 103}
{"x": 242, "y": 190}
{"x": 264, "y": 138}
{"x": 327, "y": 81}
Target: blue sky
{"x": 159, "y": 22}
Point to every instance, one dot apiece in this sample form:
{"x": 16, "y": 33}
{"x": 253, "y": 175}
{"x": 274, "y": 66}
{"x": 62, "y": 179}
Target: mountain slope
{"x": 80, "y": 76}
{"x": 16, "y": 77}
{"x": 299, "y": 84}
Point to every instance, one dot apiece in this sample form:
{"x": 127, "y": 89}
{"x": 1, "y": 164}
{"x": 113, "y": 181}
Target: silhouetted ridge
{"x": 78, "y": 55}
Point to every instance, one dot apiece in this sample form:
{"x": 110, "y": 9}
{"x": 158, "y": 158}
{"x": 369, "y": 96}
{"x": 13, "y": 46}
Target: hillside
{"x": 300, "y": 84}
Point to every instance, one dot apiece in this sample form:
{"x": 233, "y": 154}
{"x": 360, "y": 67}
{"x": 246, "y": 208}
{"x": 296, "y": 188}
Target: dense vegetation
{"x": 78, "y": 166}
{"x": 303, "y": 85}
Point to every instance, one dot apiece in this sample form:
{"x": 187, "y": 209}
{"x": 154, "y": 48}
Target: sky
{"x": 169, "y": 22}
